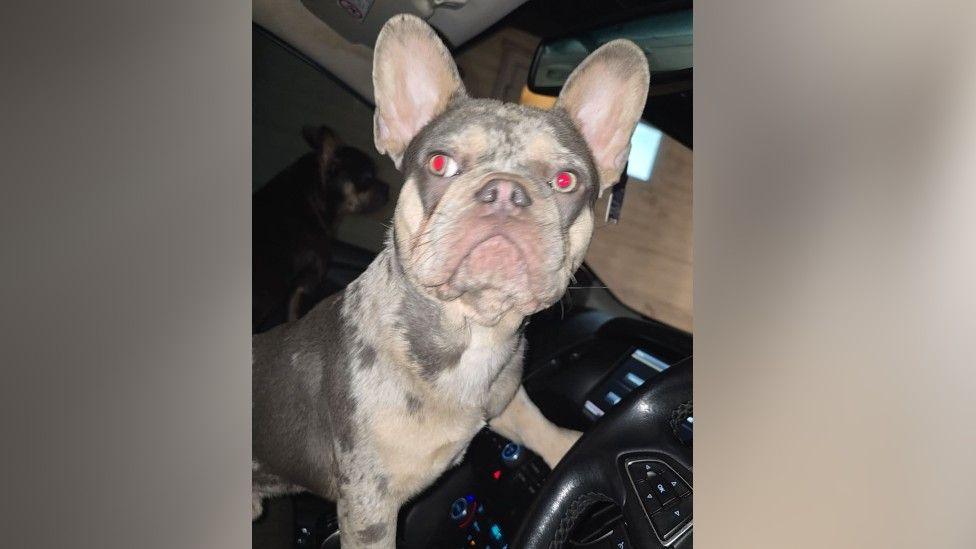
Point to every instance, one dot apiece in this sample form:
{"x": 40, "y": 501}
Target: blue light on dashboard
{"x": 650, "y": 360}
{"x": 592, "y": 409}
{"x": 634, "y": 379}
{"x": 496, "y": 532}
{"x": 469, "y": 497}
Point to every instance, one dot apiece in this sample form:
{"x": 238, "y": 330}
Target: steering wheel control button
{"x": 511, "y": 453}
{"x": 619, "y": 544}
{"x": 665, "y": 522}
{"x": 639, "y": 470}
{"x": 661, "y": 488}
{"x": 665, "y": 496}
{"x": 676, "y": 483}
{"x": 616, "y": 539}
{"x": 670, "y": 518}
{"x": 651, "y": 504}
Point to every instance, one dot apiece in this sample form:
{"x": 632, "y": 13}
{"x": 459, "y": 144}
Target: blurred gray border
{"x": 835, "y": 256}
{"x": 126, "y": 274}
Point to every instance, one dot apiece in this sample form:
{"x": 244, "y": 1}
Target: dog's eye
{"x": 564, "y": 182}
{"x": 442, "y": 165}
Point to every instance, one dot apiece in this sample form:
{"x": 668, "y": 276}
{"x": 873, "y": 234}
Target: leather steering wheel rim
{"x": 594, "y": 468}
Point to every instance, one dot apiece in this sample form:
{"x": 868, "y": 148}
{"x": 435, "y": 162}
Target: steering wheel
{"x": 632, "y": 457}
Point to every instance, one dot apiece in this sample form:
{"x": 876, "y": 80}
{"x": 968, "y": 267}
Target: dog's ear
{"x": 323, "y": 141}
{"x": 313, "y": 135}
{"x": 605, "y": 97}
{"x": 414, "y": 80}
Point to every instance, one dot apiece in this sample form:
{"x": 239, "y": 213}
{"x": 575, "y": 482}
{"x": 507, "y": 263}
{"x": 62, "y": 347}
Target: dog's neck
{"x": 406, "y": 321}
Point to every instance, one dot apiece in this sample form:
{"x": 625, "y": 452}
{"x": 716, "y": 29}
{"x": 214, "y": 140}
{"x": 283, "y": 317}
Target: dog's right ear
{"x": 605, "y": 97}
{"x": 414, "y": 80}
{"x": 323, "y": 141}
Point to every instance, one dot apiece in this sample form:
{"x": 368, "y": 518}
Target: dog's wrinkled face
{"x": 483, "y": 215}
{"x": 496, "y": 210}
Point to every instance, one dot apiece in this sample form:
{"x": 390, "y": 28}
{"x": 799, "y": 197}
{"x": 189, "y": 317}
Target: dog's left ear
{"x": 605, "y": 97}
{"x": 414, "y": 80}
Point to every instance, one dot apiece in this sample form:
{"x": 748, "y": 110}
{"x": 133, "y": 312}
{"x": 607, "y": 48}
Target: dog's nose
{"x": 503, "y": 192}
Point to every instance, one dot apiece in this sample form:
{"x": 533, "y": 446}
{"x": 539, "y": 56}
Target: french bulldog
{"x": 370, "y": 396}
{"x": 295, "y": 217}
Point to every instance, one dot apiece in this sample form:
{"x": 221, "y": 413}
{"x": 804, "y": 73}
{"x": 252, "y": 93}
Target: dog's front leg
{"x": 522, "y": 422}
{"x": 367, "y": 517}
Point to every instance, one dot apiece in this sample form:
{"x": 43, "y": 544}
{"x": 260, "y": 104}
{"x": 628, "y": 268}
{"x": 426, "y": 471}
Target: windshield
{"x": 645, "y": 260}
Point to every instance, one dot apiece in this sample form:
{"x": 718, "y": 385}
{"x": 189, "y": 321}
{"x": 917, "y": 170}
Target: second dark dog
{"x": 294, "y": 221}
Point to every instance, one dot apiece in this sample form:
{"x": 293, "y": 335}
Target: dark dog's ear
{"x": 414, "y": 79}
{"x": 323, "y": 141}
{"x": 313, "y": 135}
{"x": 605, "y": 97}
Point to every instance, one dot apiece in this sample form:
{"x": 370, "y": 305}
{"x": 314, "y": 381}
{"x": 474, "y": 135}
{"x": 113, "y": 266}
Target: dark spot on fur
{"x": 372, "y": 533}
{"x": 391, "y": 258}
{"x": 382, "y": 485}
{"x": 342, "y": 402}
{"x": 352, "y": 343}
{"x": 367, "y": 355}
{"x": 432, "y": 347}
{"x": 346, "y": 437}
{"x": 413, "y": 404}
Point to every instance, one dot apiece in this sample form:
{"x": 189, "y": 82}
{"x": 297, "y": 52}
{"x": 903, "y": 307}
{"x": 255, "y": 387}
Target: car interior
{"x": 613, "y": 358}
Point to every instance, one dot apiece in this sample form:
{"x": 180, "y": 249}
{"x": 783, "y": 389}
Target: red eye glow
{"x": 442, "y": 165}
{"x": 565, "y": 181}
{"x": 437, "y": 163}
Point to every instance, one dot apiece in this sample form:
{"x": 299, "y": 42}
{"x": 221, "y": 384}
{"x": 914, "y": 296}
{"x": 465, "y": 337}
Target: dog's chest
{"x": 415, "y": 448}
{"x": 473, "y": 380}
{"x": 417, "y": 442}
